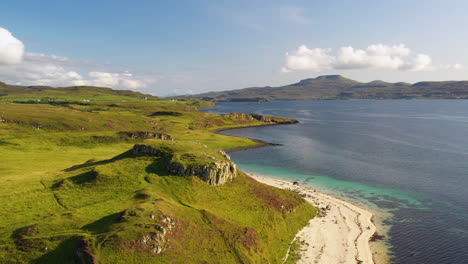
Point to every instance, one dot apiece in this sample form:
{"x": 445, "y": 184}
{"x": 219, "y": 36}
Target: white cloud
{"x": 397, "y": 57}
{"x": 11, "y": 49}
{"x": 421, "y": 62}
{"x": 22, "y": 68}
{"x": 308, "y": 59}
{"x": 107, "y": 79}
{"x": 52, "y": 70}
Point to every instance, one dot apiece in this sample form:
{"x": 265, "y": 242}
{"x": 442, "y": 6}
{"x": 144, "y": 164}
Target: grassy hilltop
{"x": 42, "y": 94}
{"x": 73, "y": 191}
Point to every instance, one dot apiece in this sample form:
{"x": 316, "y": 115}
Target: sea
{"x": 405, "y": 158}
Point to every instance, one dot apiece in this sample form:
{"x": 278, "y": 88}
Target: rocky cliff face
{"x": 216, "y": 172}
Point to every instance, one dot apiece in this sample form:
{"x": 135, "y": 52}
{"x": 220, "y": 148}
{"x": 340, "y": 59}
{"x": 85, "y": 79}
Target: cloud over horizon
{"x": 11, "y": 48}
{"x": 377, "y": 56}
{"x": 27, "y": 68}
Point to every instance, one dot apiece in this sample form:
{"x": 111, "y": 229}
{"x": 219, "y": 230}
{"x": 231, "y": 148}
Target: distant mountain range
{"x": 339, "y": 87}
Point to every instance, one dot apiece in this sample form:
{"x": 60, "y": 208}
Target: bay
{"x": 407, "y": 157}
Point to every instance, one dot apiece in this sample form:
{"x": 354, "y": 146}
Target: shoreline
{"x": 323, "y": 238}
{"x": 341, "y": 234}
{"x": 260, "y": 143}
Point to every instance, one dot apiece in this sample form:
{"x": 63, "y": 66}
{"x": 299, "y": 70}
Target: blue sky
{"x": 178, "y": 47}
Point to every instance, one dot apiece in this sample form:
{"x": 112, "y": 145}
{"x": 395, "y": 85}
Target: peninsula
{"x": 94, "y": 175}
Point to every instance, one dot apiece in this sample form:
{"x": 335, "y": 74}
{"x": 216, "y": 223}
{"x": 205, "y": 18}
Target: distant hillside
{"x": 339, "y": 87}
{"x": 73, "y": 93}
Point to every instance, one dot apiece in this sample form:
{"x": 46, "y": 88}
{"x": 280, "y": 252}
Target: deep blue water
{"x": 409, "y": 157}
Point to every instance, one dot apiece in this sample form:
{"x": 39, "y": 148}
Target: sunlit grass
{"x": 65, "y": 175}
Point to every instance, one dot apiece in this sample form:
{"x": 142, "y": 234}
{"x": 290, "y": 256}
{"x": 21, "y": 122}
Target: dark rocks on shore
{"x": 376, "y": 237}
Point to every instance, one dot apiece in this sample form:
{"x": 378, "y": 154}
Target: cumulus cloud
{"x": 11, "y": 49}
{"x": 26, "y": 68}
{"x": 397, "y": 57}
{"x": 52, "y": 70}
{"x": 309, "y": 59}
{"x": 108, "y": 79}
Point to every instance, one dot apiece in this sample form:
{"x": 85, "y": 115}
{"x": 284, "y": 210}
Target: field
{"x": 73, "y": 192}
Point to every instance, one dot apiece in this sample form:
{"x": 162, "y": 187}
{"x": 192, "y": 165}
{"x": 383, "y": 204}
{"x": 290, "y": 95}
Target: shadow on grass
{"x": 102, "y": 225}
{"x": 126, "y": 154}
{"x": 64, "y": 253}
{"x": 6, "y": 143}
{"x": 82, "y": 178}
{"x": 159, "y": 166}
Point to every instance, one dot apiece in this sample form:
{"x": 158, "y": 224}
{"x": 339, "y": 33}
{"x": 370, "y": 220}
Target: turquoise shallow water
{"x": 406, "y": 157}
{"x": 367, "y": 194}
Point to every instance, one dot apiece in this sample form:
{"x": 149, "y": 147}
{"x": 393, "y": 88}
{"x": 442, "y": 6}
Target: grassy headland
{"x": 74, "y": 192}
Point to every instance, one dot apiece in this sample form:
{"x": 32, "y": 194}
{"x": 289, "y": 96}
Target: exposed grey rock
{"x": 214, "y": 173}
{"x": 146, "y": 150}
{"x": 235, "y": 115}
{"x": 146, "y": 135}
{"x": 156, "y": 242}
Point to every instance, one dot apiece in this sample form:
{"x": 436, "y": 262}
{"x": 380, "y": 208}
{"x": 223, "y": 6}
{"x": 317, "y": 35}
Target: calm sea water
{"x": 409, "y": 157}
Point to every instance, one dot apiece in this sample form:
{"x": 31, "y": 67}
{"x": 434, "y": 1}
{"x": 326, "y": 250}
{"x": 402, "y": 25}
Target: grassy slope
{"x": 42, "y": 205}
{"x": 77, "y": 93}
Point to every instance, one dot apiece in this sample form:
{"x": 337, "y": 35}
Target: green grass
{"x": 67, "y": 176}
{"x": 294, "y": 252}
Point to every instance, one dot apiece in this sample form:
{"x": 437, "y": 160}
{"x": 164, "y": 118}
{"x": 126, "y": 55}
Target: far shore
{"x": 340, "y": 234}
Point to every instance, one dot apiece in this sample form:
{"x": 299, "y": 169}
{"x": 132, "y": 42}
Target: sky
{"x": 189, "y": 47}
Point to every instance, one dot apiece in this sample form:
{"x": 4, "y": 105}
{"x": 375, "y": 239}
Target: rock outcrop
{"x": 274, "y": 119}
{"x": 216, "y": 172}
{"x": 262, "y": 118}
{"x": 146, "y": 150}
{"x": 84, "y": 253}
{"x": 146, "y": 135}
{"x": 157, "y": 241}
{"x": 236, "y": 115}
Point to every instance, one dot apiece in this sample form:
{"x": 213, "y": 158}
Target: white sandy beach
{"x": 340, "y": 236}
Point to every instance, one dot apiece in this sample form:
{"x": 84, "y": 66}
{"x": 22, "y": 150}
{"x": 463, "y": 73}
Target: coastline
{"x": 260, "y": 143}
{"x": 341, "y": 234}
{"x": 344, "y": 231}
